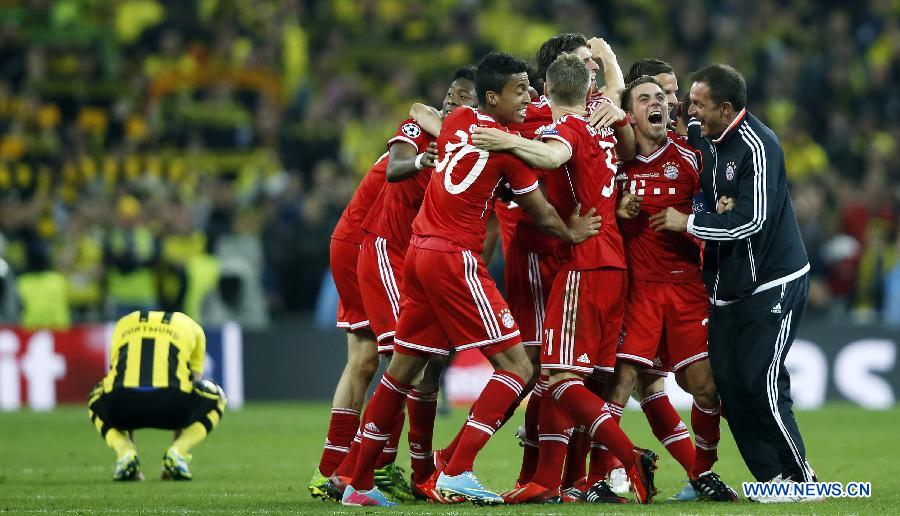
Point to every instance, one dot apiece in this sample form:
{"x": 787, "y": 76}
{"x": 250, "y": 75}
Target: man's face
{"x": 670, "y": 88}
{"x": 712, "y": 120}
{"x": 510, "y": 103}
{"x": 650, "y": 110}
{"x": 460, "y": 93}
{"x": 584, "y": 53}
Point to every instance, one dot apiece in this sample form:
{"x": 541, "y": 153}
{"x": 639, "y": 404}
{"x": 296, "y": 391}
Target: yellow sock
{"x": 189, "y": 437}
{"x": 120, "y": 442}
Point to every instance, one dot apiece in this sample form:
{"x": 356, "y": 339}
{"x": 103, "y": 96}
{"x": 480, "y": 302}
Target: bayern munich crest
{"x": 506, "y": 318}
{"x": 729, "y": 171}
{"x": 670, "y": 170}
{"x": 412, "y": 130}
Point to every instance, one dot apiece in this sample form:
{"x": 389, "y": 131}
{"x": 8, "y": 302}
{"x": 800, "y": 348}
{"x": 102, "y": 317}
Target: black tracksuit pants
{"x": 748, "y": 342}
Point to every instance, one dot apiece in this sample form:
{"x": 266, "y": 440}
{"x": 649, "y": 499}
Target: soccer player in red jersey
{"x": 586, "y": 303}
{"x": 362, "y": 354}
{"x": 667, "y": 307}
{"x": 388, "y": 230}
{"x": 449, "y": 299}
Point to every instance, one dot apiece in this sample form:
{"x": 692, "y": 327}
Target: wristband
{"x": 622, "y": 123}
{"x": 419, "y": 165}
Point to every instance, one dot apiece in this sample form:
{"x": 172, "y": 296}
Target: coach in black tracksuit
{"x": 755, "y": 269}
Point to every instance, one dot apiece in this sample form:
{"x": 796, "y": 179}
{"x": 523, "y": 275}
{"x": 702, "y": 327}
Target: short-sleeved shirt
{"x": 155, "y": 350}
{"x": 667, "y": 178}
{"x": 350, "y": 226}
{"x": 588, "y": 178}
{"x": 398, "y": 203}
{"x": 460, "y": 196}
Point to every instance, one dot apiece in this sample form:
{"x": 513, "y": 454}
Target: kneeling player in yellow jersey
{"x": 154, "y": 381}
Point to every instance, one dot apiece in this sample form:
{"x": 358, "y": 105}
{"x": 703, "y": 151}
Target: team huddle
{"x": 604, "y": 284}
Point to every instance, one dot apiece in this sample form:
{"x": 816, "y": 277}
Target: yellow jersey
{"x": 155, "y": 350}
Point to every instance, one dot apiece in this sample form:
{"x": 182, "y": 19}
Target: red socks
{"x": 343, "y": 426}
{"x": 602, "y": 460}
{"x": 389, "y": 453}
{"x": 486, "y": 417}
{"x": 588, "y": 409}
{"x": 555, "y": 431}
{"x": 532, "y": 416}
{"x": 671, "y": 431}
{"x": 576, "y": 458}
{"x": 705, "y": 423}
{"x": 378, "y": 425}
{"x": 422, "y": 408}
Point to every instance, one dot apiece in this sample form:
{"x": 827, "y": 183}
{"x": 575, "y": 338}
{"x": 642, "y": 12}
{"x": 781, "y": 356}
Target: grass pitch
{"x": 260, "y": 459}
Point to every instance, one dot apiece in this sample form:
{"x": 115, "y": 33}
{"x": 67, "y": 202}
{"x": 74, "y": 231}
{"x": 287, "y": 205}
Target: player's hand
{"x": 669, "y": 219}
{"x": 533, "y": 93}
{"x": 491, "y": 139}
{"x": 600, "y": 49}
{"x": 629, "y": 205}
{"x": 584, "y": 226}
{"x": 605, "y": 115}
{"x": 429, "y": 157}
{"x": 725, "y": 204}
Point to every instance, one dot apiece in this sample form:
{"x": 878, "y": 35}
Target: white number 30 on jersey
{"x": 453, "y": 152}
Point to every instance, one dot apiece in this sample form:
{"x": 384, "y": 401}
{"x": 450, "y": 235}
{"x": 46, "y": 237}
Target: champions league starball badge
{"x": 411, "y": 130}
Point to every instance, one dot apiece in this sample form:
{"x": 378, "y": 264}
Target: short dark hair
{"x": 647, "y": 66}
{"x": 569, "y": 80}
{"x": 466, "y": 72}
{"x": 553, "y": 47}
{"x": 626, "y": 93}
{"x": 493, "y": 72}
{"x": 725, "y": 84}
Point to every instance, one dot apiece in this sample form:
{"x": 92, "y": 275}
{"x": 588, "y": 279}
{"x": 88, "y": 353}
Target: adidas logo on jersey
{"x": 372, "y": 427}
{"x": 584, "y": 359}
{"x": 776, "y": 309}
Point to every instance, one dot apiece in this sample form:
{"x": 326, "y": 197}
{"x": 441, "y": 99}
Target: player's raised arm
{"x": 404, "y": 162}
{"x": 538, "y": 154}
{"x": 579, "y": 228}
{"x": 613, "y": 78}
{"x": 427, "y": 117}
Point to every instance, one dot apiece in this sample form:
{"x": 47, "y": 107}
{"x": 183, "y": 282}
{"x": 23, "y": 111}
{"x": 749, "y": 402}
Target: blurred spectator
{"x": 130, "y": 253}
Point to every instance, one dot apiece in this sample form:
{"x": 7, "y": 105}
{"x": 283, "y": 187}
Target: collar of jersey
{"x": 656, "y": 153}
{"x": 731, "y": 127}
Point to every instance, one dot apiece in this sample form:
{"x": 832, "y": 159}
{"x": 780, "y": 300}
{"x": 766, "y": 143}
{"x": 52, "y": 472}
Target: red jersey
{"x": 460, "y": 196}
{"x": 349, "y": 227}
{"x": 398, "y": 203}
{"x": 589, "y": 178}
{"x": 668, "y": 177}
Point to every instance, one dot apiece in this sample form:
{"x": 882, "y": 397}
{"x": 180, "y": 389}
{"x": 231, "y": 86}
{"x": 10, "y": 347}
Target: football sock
{"x": 602, "y": 460}
{"x": 705, "y": 422}
{"x": 378, "y": 424}
{"x": 119, "y": 442}
{"x": 188, "y": 437}
{"x": 576, "y": 457}
{"x": 671, "y": 431}
{"x": 345, "y": 468}
{"x": 586, "y": 408}
{"x": 343, "y": 426}
{"x": 487, "y": 416}
{"x": 422, "y": 408}
{"x": 389, "y": 453}
{"x": 530, "y": 451}
{"x": 553, "y": 439}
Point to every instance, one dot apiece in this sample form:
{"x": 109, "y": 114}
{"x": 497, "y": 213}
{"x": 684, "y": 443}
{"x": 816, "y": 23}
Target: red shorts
{"x": 584, "y": 319}
{"x": 380, "y": 270}
{"x": 665, "y": 325}
{"x": 351, "y": 315}
{"x": 450, "y": 301}
{"x": 528, "y": 277}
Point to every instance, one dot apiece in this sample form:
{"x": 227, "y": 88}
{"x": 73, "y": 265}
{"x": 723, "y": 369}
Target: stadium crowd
{"x": 195, "y": 156}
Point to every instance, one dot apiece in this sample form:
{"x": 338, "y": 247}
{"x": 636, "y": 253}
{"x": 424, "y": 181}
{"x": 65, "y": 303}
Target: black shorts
{"x": 167, "y": 409}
